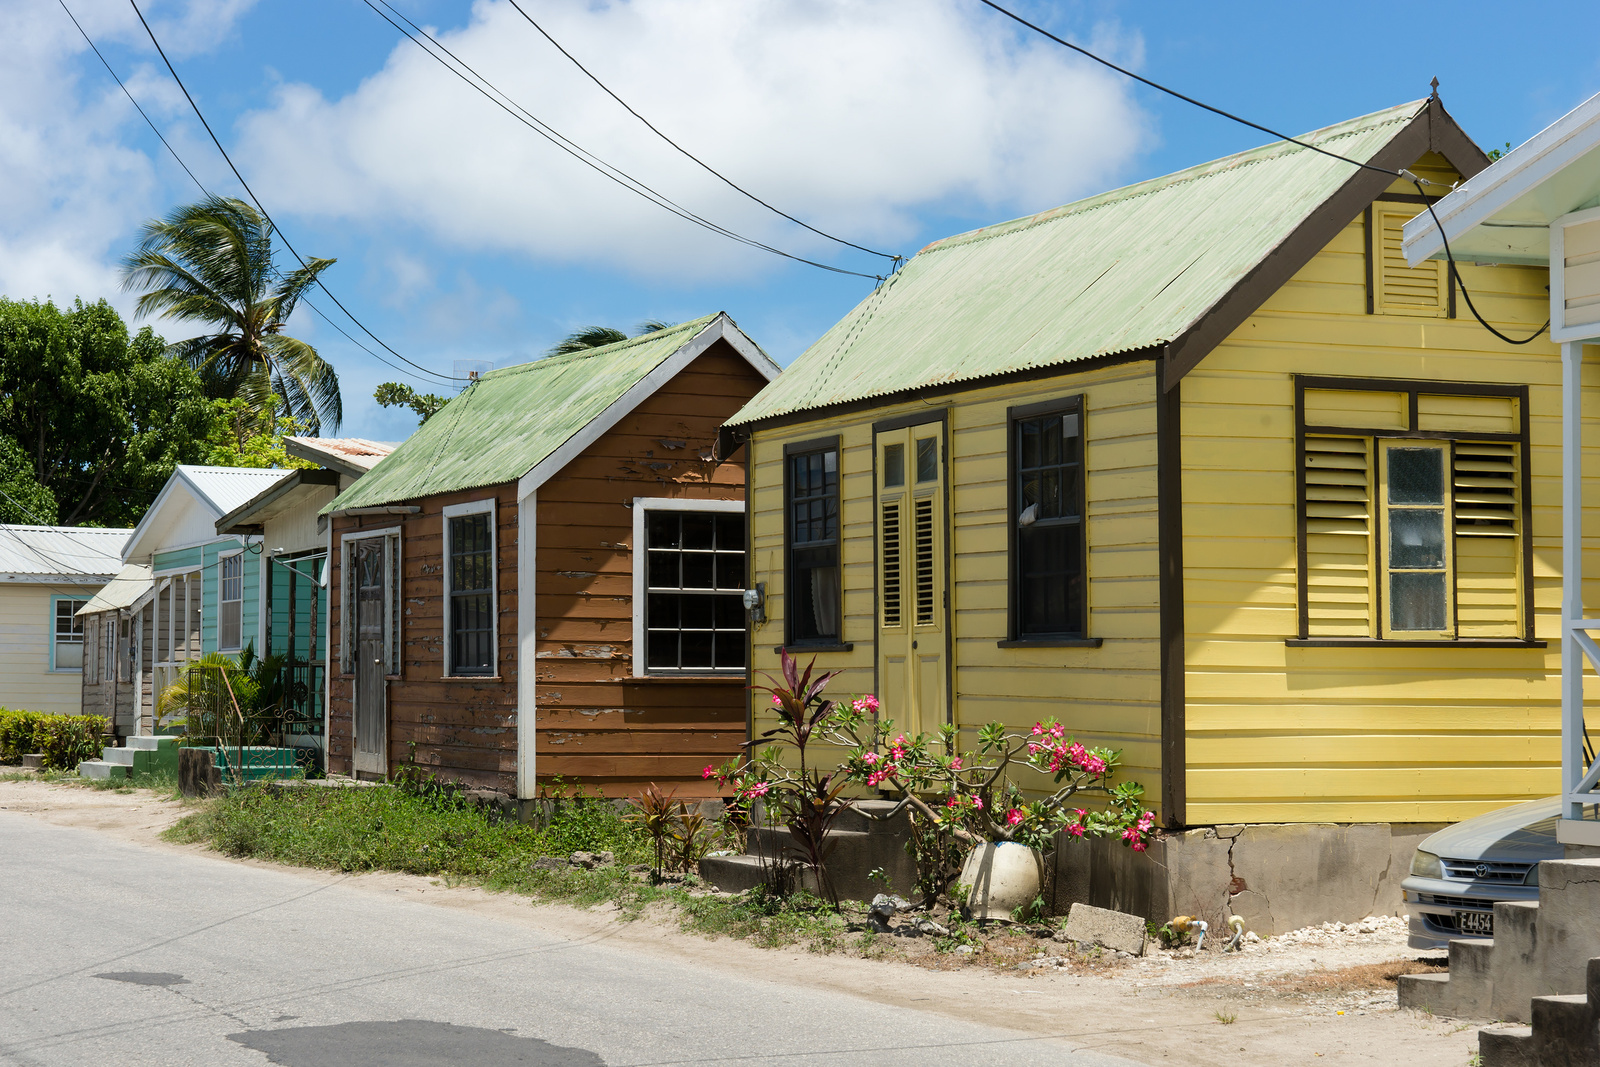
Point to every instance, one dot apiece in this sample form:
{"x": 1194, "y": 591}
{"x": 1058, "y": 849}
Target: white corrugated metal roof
{"x": 128, "y": 585}
{"x": 70, "y": 553}
{"x": 225, "y": 488}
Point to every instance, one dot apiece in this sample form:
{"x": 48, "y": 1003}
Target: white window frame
{"x": 641, "y": 549}
{"x": 80, "y": 601}
{"x": 221, "y": 556}
{"x": 453, "y": 511}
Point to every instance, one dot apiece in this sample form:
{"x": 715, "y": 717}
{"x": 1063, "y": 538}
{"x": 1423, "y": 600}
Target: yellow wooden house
{"x": 1203, "y": 468}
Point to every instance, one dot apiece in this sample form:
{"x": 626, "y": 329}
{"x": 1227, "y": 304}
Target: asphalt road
{"x": 115, "y": 953}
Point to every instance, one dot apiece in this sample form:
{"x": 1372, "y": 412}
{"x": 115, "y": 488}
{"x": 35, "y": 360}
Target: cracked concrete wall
{"x": 1278, "y": 877}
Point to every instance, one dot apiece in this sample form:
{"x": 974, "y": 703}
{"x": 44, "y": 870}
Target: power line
{"x": 503, "y": 101}
{"x": 689, "y": 155}
{"x": 1455, "y": 275}
{"x": 262, "y": 208}
{"x": 206, "y": 192}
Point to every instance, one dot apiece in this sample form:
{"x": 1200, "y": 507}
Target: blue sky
{"x": 460, "y": 235}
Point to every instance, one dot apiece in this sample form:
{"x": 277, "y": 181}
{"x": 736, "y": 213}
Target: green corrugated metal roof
{"x": 1125, "y": 270}
{"x": 511, "y": 419}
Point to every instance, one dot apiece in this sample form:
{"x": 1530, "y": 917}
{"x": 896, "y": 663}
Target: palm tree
{"x": 211, "y": 263}
{"x": 600, "y": 336}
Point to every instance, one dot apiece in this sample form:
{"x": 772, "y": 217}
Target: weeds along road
{"x": 119, "y": 953}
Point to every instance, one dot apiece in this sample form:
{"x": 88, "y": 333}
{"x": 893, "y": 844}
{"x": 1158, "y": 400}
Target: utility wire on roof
{"x": 501, "y": 100}
{"x": 206, "y": 192}
{"x": 262, "y": 208}
{"x": 689, "y": 155}
{"x": 1404, "y": 174}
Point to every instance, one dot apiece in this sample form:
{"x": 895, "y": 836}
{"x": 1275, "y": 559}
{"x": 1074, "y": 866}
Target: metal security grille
{"x": 471, "y": 595}
{"x": 891, "y": 564}
{"x": 923, "y": 533}
{"x": 694, "y": 592}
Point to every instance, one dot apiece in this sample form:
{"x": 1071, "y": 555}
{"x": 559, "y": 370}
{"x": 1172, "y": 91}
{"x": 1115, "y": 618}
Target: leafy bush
{"x": 65, "y": 740}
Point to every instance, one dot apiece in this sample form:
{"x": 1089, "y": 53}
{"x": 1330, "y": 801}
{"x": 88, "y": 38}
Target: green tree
{"x": 101, "y": 417}
{"x": 241, "y": 437}
{"x": 211, "y": 263}
{"x": 600, "y": 336}
{"x": 22, "y": 499}
{"x": 400, "y": 395}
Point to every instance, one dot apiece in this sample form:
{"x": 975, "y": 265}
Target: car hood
{"x": 1523, "y": 833}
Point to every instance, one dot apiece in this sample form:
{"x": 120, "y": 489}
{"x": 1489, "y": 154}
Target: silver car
{"x": 1459, "y": 873}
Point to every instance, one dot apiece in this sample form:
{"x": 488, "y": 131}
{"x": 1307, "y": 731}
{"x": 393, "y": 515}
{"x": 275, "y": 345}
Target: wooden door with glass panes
{"x": 912, "y": 592}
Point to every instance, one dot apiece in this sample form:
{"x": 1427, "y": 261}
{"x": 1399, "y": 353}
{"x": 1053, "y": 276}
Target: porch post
{"x": 1572, "y": 768}
{"x": 527, "y": 642}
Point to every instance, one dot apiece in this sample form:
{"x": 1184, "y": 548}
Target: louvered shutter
{"x": 1400, "y": 289}
{"x": 1338, "y": 509}
{"x": 1488, "y": 518}
{"x": 891, "y": 563}
{"x": 923, "y": 549}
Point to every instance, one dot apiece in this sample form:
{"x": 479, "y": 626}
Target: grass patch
{"x": 1226, "y": 1018}
{"x": 165, "y": 784}
{"x": 1361, "y": 977}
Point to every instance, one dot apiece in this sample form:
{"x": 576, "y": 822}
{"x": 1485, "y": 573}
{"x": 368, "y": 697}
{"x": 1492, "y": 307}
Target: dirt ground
{"x": 1318, "y": 995}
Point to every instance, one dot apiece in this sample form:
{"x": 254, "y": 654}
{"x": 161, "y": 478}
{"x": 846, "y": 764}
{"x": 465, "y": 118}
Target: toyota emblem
{"x": 1483, "y": 870}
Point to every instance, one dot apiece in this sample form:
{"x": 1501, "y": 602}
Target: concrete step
{"x": 1564, "y": 1032}
{"x": 1464, "y": 993}
{"x": 735, "y": 874}
{"x": 1514, "y": 970}
{"x": 122, "y": 757}
{"x": 151, "y": 743}
{"x": 101, "y": 770}
{"x": 1512, "y": 1047}
{"x": 1568, "y": 934}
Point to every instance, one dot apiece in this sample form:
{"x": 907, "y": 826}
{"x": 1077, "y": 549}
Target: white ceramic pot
{"x": 1003, "y": 877}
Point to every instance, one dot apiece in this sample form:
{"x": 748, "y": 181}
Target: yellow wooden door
{"x": 912, "y": 597}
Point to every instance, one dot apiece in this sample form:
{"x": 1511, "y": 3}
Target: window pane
{"x": 698, "y": 570}
{"x": 815, "y": 596}
{"x": 927, "y": 459}
{"x": 69, "y": 655}
{"x": 894, "y": 465}
{"x": 661, "y": 610}
{"x": 698, "y": 612}
{"x": 730, "y": 649}
{"x": 663, "y": 570}
{"x": 730, "y": 570}
{"x": 730, "y": 532}
{"x": 1416, "y": 537}
{"x": 1416, "y": 476}
{"x": 698, "y": 529}
{"x": 730, "y": 612}
{"x": 1416, "y": 601}
{"x": 661, "y": 649}
{"x": 694, "y": 649}
{"x": 1050, "y": 580}
{"x": 663, "y": 526}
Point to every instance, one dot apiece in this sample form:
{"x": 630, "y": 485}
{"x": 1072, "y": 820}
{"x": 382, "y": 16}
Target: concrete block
{"x": 735, "y": 874}
{"x": 1115, "y": 930}
{"x": 100, "y": 770}
{"x": 198, "y": 774}
{"x": 1200, "y": 879}
{"x": 1471, "y": 981}
{"x": 1511, "y": 1047}
{"x": 854, "y": 855}
{"x": 1563, "y": 1032}
{"x": 1569, "y": 923}
{"x": 1514, "y": 965}
{"x": 1427, "y": 992}
{"x": 123, "y": 757}
{"x": 33, "y": 761}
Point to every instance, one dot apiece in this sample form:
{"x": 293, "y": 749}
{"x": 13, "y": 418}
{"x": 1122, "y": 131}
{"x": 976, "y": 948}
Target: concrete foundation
{"x": 1278, "y": 877}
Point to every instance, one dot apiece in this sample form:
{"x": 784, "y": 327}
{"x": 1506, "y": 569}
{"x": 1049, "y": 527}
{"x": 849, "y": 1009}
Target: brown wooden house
{"x": 627, "y": 592}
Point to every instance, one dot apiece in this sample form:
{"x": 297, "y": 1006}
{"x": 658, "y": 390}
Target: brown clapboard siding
{"x": 598, "y": 725}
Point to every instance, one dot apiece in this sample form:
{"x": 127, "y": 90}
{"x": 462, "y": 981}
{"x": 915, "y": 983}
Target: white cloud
{"x": 852, "y": 114}
{"x": 74, "y": 188}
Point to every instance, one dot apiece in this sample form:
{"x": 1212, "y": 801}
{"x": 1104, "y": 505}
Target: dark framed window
{"x": 471, "y": 573}
{"x": 812, "y": 583}
{"x": 1048, "y": 552}
{"x": 66, "y": 649}
{"x": 694, "y": 620}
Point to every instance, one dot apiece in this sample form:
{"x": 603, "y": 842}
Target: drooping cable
{"x": 730, "y": 183}
{"x": 206, "y": 192}
{"x": 461, "y": 69}
{"x": 262, "y": 208}
{"x": 1455, "y": 275}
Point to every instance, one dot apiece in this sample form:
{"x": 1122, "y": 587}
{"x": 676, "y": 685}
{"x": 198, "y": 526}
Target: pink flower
{"x": 955, "y": 764}
{"x": 869, "y": 757}
{"x": 757, "y": 790}
{"x": 874, "y": 778}
{"x": 1077, "y": 753}
{"x": 865, "y": 704}
{"x": 1038, "y": 728}
{"x": 977, "y": 802}
{"x": 1140, "y": 846}
{"x": 1056, "y": 730}
{"x": 1014, "y": 816}
{"x": 1076, "y": 830}
{"x": 1080, "y": 813}
{"x": 953, "y": 802}
{"x": 1094, "y": 765}
{"x": 709, "y": 772}
{"x": 777, "y": 700}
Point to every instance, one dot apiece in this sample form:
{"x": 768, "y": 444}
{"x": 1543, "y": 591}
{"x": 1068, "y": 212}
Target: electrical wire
{"x": 503, "y": 101}
{"x": 1455, "y": 275}
{"x": 262, "y": 208}
{"x": 206, "y": 192}
{"x": 689, "y": 155}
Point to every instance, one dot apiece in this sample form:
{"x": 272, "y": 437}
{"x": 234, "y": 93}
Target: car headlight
{"x": 1532, "y": 877}
{"x": 1426, "y": 865}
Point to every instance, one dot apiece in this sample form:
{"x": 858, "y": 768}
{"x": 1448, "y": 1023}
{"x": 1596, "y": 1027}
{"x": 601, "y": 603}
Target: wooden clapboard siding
{"x": 597, "y": 724}
{"x": 26, "y": 681}
{"x": 1294, "y": 734}
{"x": 1108, "y": 695}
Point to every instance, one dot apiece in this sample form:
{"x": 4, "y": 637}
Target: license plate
{"x": 1477, "y": 923}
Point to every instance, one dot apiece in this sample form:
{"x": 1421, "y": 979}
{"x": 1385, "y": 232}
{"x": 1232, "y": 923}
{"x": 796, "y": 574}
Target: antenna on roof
{"x": 472, "y": 369}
